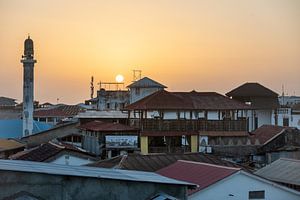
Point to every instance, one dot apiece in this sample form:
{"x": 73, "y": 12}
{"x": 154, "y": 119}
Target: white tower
{"x": 28, "y": 64}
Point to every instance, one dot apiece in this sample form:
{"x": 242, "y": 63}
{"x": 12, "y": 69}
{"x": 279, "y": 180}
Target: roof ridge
{"x": 212, "y": 165}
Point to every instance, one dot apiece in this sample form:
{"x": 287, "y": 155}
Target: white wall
{"x": 212, "y": 115}
{"x": 72, "y": 160}
{"x": 239, "y": 186}
{"x": 143, "y": 93}
{"x": 264, "y": 117}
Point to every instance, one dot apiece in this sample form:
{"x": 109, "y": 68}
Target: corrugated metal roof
{"x": 100, "y": 126}
{"x": 146, "y": 83}
{"x": 283, "y": 170}
{"x": 202, "y": 174}
{"x": 7, "y": 144}
{"x": 90, "y": 172}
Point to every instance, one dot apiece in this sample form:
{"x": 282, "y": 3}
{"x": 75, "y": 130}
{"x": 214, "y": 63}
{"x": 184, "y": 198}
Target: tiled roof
{"x": 154, "y": 162}
{"x": 252, "y": 89}
{"x": 106, "y": 127}
{"x": 265, "y": 133}
{"x": 44, "y": 152}
{"x": 146, "y": 83}
{"x": 164, "y": 100}
{"x": 199, "y": 173}
{"x": 58, "y": 111}
{"x": 283, "y": 170}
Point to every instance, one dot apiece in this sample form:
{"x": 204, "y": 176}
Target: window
{"x": 255, "y": 122}
{"x": 257, "y": 194}
{"x": 108, "y": 105}
{"x": 285, "y": 122}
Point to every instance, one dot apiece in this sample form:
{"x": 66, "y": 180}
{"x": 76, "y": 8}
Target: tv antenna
{"x": 92, "y": 87}
{"x": 137, "y": 75}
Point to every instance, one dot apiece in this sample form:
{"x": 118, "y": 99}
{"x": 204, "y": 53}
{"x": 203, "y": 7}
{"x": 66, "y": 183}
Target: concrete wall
{"x": 143, "y": 93}
{"x": 71, "y": 188}
{"x": 238, "y": 186}
{"x": 67, "y": 159}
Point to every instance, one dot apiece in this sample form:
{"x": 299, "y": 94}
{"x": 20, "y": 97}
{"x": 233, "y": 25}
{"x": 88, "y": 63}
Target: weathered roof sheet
{"x": 106, "y": 127}
{"x": 89, "y": 172}
{"x": 252, "y": 89}
{"x": 6, "y": 144}
{"x": 199, "y": 173}
{"x": 46, "y": 151}
{"x": 264, "y": 133}
{"x": 224, "y": 133}
{"x": 146, "y": 83}
{"x": 283, "y": 170}
{"x": 164, "y": 100}
{"x": 154, "y": 162}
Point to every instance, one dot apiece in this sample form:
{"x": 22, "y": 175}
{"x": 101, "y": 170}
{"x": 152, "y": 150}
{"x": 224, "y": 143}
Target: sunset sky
{"x": 205, "y": 45}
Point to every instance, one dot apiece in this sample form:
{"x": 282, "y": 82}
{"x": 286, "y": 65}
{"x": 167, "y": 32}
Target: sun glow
{"x": 119, "y": 78}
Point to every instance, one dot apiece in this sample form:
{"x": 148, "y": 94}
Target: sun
{"x": 119, "y": 78}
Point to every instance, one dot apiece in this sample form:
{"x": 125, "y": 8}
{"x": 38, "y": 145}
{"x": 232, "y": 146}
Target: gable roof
{"x": 87, "y": 172}
{"x": 46, "y": 152}
{"x": 266, "y": 132}
{"x": 283, "y": 170}
{"x": 164, "y": 100}
{"x": 251, "y": 89}
{"x": 106, "y": 127}
{"x": 199, "y": 173}
{"x": 5, "y": 101}
{"x": 146, "y": 83}
{"x": 154, "y": 162}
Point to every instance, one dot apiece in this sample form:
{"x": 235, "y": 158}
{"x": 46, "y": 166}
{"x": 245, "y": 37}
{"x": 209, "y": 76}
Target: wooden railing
{"x": 189, "y": 125}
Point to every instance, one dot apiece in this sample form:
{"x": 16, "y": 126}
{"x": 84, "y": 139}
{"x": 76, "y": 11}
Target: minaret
{"x": 28, "y": 64}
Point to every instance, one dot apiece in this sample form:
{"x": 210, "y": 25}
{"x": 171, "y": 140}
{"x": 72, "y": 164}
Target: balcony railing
{"x": 189, "y": 125}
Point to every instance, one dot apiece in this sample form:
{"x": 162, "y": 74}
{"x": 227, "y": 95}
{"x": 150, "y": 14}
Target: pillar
{"x": 144, "y": 145}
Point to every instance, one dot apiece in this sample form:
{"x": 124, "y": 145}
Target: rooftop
{"x": 164, "y": 100}
{"x": 106, "y": 127}
{"x": 112, "y": 114}
{"x": 88, "y": 172}
{"x": 146, "y": 83}
{"x": 252, "y": 89}
{"x": 5, "y": 101}
{"x": 283, "y": 170}
{"x": 266, "y": 132}
{"x": 58, "y": 111}
{"x": 47, "y": 151}
{"x": 154, "y": 162}
{"x": 6, "y": 144}
{"x": 199, "y": 173}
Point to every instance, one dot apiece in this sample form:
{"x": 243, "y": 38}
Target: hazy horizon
{"x": 185, "y": 45}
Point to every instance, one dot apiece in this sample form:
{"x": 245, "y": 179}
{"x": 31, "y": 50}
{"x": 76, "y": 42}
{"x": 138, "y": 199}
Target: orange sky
{"x": 194, "y": 44}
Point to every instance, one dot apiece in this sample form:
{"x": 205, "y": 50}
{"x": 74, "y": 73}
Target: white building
{"x": 142, "y": 88}
{"x": 220, "y": 182}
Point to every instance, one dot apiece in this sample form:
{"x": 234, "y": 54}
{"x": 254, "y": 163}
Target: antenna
{"x": 92, "y": 87}
{"x": 137, "y": 75}
{"x": 282, "y": 94}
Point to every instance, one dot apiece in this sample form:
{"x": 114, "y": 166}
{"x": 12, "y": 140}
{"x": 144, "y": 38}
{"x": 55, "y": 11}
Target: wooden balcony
{"x": 189, "y": 125}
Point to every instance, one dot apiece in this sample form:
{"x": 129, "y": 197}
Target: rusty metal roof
{"x": 106, "y": 127}
{"x": 164, "y": 100}
{"x": 199, "y": 173}
{"x": 154, "y": 162}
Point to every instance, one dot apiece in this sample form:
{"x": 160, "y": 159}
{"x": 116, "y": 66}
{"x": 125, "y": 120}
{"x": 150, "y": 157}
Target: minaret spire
{"x": 28, "y": 83}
